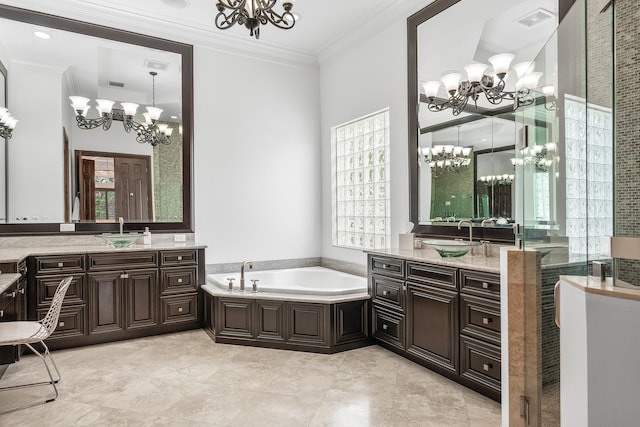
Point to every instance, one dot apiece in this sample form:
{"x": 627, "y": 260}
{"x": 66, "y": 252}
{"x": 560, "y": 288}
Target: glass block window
{"x": 360, "y": 183}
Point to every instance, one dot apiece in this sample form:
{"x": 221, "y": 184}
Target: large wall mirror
{"x": 56, "y": 172}
{"x": 462, "y": 163}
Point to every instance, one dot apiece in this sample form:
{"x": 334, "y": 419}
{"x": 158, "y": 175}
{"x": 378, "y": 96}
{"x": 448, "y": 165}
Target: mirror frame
{"x": 109, "y": 33}
{"x": 494, "y": 234}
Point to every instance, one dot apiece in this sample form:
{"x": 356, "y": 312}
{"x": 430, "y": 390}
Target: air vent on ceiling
{"x": 155, "y": 65}
{"x": 116, "y": 84}
{"x": 536, "y": 17}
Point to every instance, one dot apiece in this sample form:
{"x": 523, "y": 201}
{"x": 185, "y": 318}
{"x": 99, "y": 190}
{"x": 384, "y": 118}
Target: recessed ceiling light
{"x": 41, "y": 34}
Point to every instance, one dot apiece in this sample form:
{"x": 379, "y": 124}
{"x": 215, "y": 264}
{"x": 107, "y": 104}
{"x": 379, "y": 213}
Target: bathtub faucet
{"x": 244, "y": 264}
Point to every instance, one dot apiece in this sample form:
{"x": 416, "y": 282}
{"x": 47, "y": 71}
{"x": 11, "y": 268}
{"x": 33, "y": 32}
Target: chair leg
{"x": 52, "y": 382}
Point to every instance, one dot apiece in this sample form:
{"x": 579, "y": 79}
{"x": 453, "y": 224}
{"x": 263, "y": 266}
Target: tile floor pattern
{"x": 185, "y": 379}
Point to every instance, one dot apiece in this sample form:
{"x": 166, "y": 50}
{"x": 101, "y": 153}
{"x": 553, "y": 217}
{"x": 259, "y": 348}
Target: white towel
{"x": 75, "y": 212}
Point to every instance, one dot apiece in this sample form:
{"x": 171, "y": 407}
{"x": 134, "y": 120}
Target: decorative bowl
{"x": 450, "y": 248}
{"x": 121, "y": 240}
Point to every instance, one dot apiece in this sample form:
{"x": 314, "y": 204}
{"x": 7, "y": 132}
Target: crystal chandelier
{"x": 253, "y": 13}
{"x": 450, "y": 157}
{"x": 150, "y": 131}
{"x": 7, "y": 123}
{"x": 491, "y": 85}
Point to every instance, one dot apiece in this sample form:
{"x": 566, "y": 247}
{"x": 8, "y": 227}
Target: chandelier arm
{"x": 224, "y": 22}
{"x": 86, "y": 124}
{"x": 284, "y": 21}
{"x": 5, "y": 133}
{"x": 236, "y": 5}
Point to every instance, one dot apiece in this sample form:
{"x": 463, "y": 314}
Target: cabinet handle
{"x": 124, "y": 276}
{"x": 485, "y": 285}
{"x": 385, "y": 293}
{"x": 385, "y": 266}
{"x": 10, "y": 294}
{"x": 487, "y": 366}
{"x": 556, "y": 303}
{"x": 179, "y": 309}
{"x": 179, "y": 257}
{"x": 385, "y": 326}
{"x": 179, "y": 280}
{"x": 61, "y": 264}
{"x": 487, "y": 320}
{"x": 61, "y": 324}
{"x": 21, "y": 291}
{"x": 1, "y": 313}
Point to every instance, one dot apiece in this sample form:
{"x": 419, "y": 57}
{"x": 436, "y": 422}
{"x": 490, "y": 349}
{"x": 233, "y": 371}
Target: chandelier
{"x": 478, "y": 83}
{"x": 503, "y": 179}
{"x": 150, "y": 131}
{"x": 541, "y": 156}
{"x": 253, "y": 13}
{"x": 451, "y": 157}
{"x": 7, "y": 123}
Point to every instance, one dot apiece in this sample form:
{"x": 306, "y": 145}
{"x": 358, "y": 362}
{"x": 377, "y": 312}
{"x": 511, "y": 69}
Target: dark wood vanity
{"x": 445, "y": 318}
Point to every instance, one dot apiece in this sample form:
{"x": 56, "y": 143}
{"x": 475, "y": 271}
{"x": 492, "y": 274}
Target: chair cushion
{"x": 12, "y": 333}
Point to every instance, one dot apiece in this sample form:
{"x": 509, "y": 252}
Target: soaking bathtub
{"x": 313, "y": 309}
{"x": 300, "y": 281}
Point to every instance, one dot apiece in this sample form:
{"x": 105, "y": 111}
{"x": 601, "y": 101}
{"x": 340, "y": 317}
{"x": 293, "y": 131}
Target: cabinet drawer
{"x": 71, "y": 322}
{"x": 46, "y": 287}
{"x": 387, "y": 291}
{"x": 480, "y": 363}
{"x": 388, "y": 327}
{"x": 59, "y": 264}
{"x": 480, "y": 284}
{"x": 480, "y": 317}
{"x": 432, "y": 274}
{"x": 179, "y": 280}
{"x": 122, "y": 260}
{"x": 180, "y": 309}
{"x": 174, "y": 258}
{"x": 387, "y": 266}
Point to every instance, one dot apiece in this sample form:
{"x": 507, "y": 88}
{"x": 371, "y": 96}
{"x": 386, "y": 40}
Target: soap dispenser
{"x": 146, "y": 236}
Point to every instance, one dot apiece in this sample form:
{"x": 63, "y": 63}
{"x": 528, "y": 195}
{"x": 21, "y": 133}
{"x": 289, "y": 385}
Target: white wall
{"x": 257, "y": 167}
{"x": 36, "y": 150}
{"x": 365, "y": 77}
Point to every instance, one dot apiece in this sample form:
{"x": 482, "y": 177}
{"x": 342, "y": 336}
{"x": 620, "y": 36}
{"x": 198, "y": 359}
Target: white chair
{"x": 28, "y": 333}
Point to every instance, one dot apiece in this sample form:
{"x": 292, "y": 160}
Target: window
{"x": 360, "y": 180}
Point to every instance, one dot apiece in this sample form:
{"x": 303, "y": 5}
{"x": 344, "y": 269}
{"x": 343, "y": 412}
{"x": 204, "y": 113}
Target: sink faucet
{"x": 244, "y": 264}
{"x": 121, "y": 221}
{"x": 487, "y": 222}
{"x": 470, "y": 224}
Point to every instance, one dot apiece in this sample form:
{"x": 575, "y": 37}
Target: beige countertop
{"x": 490, "y": 264}
{"x": 214, "y": 290}
{"x": 7, "y": 279}
{"x": 18, "y": 254}
{"x": 593, "y": 285}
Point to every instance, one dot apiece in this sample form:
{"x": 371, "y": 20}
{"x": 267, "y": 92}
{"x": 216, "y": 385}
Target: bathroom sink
{"x": 121, "y": 240}
{"x": 450, "y": 248}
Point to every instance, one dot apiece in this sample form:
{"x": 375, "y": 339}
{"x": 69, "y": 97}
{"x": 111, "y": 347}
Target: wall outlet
{"x": 179, "y": 238}
{"x": 67, "y": 227}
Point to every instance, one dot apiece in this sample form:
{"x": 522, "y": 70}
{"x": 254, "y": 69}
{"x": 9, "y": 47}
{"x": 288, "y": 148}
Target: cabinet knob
{"x": 487, "y": 320}
{"x": 385, "y": 293}
{"x": 385, "y": 327}
{"x": 21, "y": 291}
{"x": 179, "y": 309}
{"x": 485, "y": 285}
{"x": 180, "y": 280}
{"x": 385, "y": 266}
{"x": 10, "y": 294}
{"x": 179, "y": 257}
{"x": 487, "y": 366}
{"x": 61, "y": 264}
{"x": 124, "y": 276}
{"x": 60, "y": 324}
{"x": 1, "y": 313}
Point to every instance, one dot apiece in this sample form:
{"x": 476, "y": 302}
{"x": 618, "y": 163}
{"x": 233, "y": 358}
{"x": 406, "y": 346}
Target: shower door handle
{"x": 556, "y": 303}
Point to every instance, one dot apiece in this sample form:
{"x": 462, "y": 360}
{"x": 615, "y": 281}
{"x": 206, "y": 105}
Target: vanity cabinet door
{"x": 432, "y": 330}
{"x": 105, "y": 302}
{"x": 142, "y": 298}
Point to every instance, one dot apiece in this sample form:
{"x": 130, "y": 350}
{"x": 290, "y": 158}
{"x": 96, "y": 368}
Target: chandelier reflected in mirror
{"x": 7, "y": 123}
{"x": 490, "y": 85}
{"x": 540, "y": 156}
{"x": 447, "y": 157}
{"x": 254, "y": 13}
{"x": 151, "y": 131}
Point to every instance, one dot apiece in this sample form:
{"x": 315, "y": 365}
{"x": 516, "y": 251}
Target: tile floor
{"x": 185, "y": 379}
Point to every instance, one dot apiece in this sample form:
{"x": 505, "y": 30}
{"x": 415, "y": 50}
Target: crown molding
{"x": 189, "y": 33}
{"x": 378, "y": 21}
